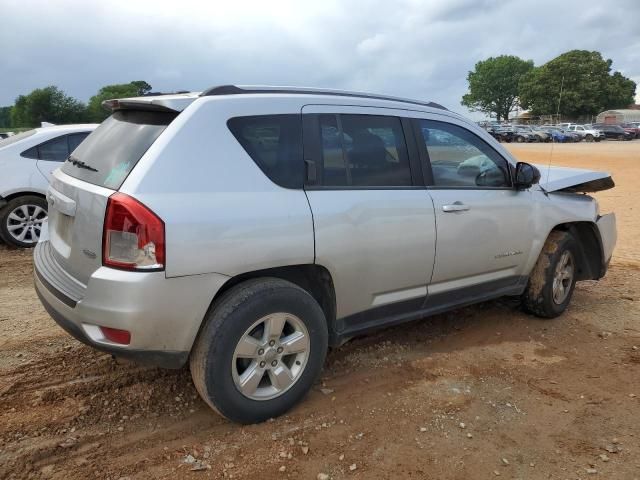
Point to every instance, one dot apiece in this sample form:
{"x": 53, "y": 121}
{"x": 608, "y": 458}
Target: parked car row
{"x": 563, "y": 132}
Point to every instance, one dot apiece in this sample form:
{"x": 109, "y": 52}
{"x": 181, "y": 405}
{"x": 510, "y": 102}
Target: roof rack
{"x": 248, "y": 89}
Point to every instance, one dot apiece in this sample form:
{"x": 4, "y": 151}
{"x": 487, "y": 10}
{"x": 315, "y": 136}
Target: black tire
{"x": 520, "y": 139}
{"x": 538, "y": 298}
{"x": 226, "y": 323}
{"x": 589, "y": 137}
{"x": 13, "y": 204}
{"x": 622, "y": 137}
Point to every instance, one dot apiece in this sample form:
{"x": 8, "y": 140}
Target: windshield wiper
{"x": 80, "y": 163}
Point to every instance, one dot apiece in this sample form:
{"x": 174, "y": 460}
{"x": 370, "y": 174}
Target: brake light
{"x": 133, "y": 236}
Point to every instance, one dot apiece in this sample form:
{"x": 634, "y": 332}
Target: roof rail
{"x": 248, "y": 89}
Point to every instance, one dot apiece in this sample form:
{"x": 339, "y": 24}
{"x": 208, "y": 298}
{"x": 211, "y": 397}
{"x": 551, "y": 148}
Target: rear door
{"x": 483, "y": 223}
{"x": 374, "y": 223}
{"x": 79, "y": 191}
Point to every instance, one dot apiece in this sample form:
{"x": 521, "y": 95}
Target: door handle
{"x": 455, "y": 207}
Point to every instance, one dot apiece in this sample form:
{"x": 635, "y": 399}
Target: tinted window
{"x": 363, "y": 151}
{"x": 76, "y": 139}
{"x": 274, "y": 142}
{"x": 116, "y": 146}
{"x": 30, "y": 153}
{"x": 55, "y": 150}
{"x": 461, "y": 159}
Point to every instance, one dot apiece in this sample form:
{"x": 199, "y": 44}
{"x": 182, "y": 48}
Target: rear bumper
{"x": 162, "y": 314}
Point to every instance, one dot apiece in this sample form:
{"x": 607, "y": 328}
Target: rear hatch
{"x": 80, "y": 189}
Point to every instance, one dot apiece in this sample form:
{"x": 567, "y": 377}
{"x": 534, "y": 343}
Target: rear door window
{"x": 363, "y": 151}
{"x": 76, "y": 139}
{"x": 56, "y": 150}
{"x": 108, "y": 155}
{"x": 274, "y": 142}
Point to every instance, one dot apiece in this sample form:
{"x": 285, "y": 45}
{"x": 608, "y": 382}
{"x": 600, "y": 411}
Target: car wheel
{"x": 21, "y": 220}
{"x": 260, "y": 350}
{"x": 553, "y": 277}
{"x": 621, "y": 137}
{"x": 519, "y": 139}
{"x": 589, "y": 138}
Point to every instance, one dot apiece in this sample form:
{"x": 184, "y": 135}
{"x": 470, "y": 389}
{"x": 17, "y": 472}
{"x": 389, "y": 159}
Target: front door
{"x": 483, "y": 223}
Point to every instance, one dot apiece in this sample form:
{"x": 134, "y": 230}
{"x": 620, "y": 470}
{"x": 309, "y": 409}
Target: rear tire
{"x": 21, "y": 220}
{"x": 244, "y": 370}
{"x": 553, "y": 277}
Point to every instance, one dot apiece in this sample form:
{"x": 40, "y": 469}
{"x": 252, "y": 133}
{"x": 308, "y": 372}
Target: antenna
{"x": 553, "y": 141}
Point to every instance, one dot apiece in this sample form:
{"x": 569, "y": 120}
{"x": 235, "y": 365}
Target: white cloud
{"x": 407, "y": 48}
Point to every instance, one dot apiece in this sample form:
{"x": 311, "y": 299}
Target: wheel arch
{"x": 313, "y": 278}
{"x": 590, "y": 252}
{"x": 23, "y": 193}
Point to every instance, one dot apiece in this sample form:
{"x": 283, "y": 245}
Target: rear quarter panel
{"x": 222, "y": 214}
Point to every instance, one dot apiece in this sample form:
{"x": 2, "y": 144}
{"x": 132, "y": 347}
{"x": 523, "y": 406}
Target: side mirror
{"x": 526, "y": 175}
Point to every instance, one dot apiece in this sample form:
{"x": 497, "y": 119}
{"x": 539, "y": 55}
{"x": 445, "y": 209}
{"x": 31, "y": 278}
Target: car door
{"x": 483, "y": 223}
{"x": 373, "y": 220}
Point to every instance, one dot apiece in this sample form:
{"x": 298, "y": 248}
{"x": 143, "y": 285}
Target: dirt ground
{"x": 478, "y": 393}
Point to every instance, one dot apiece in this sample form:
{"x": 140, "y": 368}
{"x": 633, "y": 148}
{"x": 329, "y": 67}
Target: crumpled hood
{"x": 554, "y": 179}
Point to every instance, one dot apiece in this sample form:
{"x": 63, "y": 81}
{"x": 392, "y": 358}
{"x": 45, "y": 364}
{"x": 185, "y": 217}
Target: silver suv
{"x": 247, "y": 229}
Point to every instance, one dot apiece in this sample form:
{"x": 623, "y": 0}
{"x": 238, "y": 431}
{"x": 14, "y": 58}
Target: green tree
{"x": 587, "y": 86}
{"x": 123, "y": 90}
{"x": 493, "y": 85}
{"x": 5, "y": 117}
{"x": 49, "y": 104}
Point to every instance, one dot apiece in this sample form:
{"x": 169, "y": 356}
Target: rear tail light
{"x": 133, "y": 236}
{"x": 115, "y": 335}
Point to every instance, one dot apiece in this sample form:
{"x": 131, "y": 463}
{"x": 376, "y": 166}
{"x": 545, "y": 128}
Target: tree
{"x": 122, "y": 90}
{"x": 49, "y": 104}
{"x": 493, "y": 85}
{"x": 5, "y": 117}
{"x": 587, "y": 86}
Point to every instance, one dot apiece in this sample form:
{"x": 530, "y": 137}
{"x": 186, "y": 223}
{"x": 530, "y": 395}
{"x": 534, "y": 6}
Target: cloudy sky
{"x": 410, "y": 48}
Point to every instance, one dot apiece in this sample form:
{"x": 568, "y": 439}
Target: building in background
{"x": 623, "y": 115}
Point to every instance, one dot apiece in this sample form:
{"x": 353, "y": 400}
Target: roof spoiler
{"x": 160, "y": 103}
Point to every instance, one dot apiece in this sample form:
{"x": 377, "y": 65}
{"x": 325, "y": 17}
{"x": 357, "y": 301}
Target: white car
{"x": 587, "y": 133}
{"x": 26, "y": 163}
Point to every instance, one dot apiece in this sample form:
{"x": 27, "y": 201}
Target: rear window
{"x": 107, "y": 156}
{"x": 274, "y": 142}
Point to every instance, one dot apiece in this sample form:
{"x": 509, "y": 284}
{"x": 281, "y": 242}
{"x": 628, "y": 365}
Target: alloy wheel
{"x": 563, "y": 277}
{"x": 270, "y": 356}
{"x": 24, "y": 223}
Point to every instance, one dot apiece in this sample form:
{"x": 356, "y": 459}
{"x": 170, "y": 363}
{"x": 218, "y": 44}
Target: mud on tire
{"x": 551, "y": 268}
{"x": 213, "y": 358}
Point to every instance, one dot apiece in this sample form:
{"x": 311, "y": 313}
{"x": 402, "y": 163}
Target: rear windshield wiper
{"x": 80, "y": 163}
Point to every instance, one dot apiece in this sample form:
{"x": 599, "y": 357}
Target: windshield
{"x": 109, "y": 154}
{"x": 16, "y": 138}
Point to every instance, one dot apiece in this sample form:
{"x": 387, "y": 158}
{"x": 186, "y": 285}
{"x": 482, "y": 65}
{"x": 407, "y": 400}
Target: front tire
{"x": 260, "y": 350}
{"x": 21, "y": 220}
{"x": 553, "y": 277}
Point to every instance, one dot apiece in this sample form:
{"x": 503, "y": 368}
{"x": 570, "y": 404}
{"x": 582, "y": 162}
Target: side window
{"x": 274, "y": 142}
{"x": 31, "y": 153}
{"x": 363, "y": 151}
{"x": 56, "y": 150}
{"x": 76, "y": 139}
{"x": 461, "y": 159}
